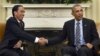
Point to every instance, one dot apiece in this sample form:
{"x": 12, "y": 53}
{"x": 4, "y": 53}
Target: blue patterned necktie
{"x": 77, "y": 36}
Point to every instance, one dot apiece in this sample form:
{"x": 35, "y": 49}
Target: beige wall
{"x": 92, "y": 12}
{"x": 2, "y": 11}
{"x": 98, "y": 11}
{"x": 95, "y": 10}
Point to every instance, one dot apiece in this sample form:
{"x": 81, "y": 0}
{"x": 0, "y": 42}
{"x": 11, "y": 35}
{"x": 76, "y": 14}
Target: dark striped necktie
{"x": 21, "y": 24}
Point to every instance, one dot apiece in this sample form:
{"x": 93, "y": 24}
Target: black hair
{"x": 15, "y": 8}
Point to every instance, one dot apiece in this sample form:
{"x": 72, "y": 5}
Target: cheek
{"x": 78, "y": 14}
{"x": 20, "y": 14}
{"x": 81, "y": 13}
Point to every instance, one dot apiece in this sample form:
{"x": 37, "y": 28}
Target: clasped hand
{"x": 42, "y": 41}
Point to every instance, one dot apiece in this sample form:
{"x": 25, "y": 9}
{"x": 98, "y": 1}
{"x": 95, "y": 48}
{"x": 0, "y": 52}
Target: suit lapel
{"x": 16, "y": 21}
{"x": 21, "y": 26}
{"x": 84, "y": 28}
{"x": 72, "y": 29}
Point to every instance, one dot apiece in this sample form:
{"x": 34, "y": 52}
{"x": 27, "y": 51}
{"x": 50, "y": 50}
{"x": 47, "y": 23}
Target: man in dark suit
{"x": 14, "y": 34}
{"x": 81, "y": 34}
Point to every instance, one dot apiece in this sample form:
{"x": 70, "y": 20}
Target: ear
{"x": 15, "y": 12}
{"x": 72, "y": 13}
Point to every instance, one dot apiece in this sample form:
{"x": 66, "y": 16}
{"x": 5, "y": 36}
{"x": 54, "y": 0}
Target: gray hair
{"x": 76, "y": 5}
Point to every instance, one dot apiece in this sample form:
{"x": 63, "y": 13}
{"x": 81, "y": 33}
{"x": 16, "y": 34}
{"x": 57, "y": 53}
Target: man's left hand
{"x": 18, "y": 44}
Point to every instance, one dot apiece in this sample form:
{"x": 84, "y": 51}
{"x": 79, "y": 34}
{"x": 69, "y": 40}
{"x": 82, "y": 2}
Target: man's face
{"x": 78, "y": 12}
{"x": 20, "y": 13}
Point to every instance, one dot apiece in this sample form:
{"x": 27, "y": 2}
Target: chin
{"x": 21, "y": 18}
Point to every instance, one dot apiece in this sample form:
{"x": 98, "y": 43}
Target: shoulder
{"x": 11, "y": 20}
{"x": 70, "y": 21}
{"x": 88, "y": 20}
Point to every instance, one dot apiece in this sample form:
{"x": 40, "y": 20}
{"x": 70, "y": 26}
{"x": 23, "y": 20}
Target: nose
{"x": 80, "y": 12}
{"x": 23, "y": 14}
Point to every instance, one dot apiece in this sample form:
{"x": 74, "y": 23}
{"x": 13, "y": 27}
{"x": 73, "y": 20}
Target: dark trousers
{"x": 14, "y": 52}
{"x": 71, "y": 51}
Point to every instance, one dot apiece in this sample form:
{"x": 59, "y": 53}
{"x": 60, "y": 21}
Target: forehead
{"x": 21, "y": 8}
{"x": 77, "y": 8}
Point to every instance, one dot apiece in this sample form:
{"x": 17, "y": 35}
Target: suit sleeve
{"x": 94, "y": 33}
{"x": 59, "y": 39}
{"x": 19, "y": 32}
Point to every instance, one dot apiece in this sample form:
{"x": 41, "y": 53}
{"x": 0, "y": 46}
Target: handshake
{"x": 42, "y": 41}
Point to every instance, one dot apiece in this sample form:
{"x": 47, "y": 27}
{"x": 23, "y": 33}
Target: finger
{"x": 42, "y": 38}
{"x": 42, "y": 43}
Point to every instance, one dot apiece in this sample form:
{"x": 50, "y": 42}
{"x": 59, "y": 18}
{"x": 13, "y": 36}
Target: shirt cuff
{"x": 36, "y": 40}
{"x": 47, "y": 41}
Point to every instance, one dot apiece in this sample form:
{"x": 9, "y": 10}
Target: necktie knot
{"x": 21, "y": 24}
{"x": 77, "y": 23}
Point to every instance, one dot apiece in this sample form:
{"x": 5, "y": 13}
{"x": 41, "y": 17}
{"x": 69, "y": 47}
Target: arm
{"x": 59, "y": 39}
{"x": 14, "y": 28}
{"x": 94, "y": 35}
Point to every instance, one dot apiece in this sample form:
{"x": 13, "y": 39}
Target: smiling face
{"x": 19, "y": 14}
{"x": 77, "y": 12}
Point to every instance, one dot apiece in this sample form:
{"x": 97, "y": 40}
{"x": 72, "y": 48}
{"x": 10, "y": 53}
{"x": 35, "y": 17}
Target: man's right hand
{"x": 90, "y": 46}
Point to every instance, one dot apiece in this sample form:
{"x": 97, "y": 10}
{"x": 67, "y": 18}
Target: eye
{"x": 77, "y": 11}
{"x": 81, "y": 10}
{"x": 22, "y": 11}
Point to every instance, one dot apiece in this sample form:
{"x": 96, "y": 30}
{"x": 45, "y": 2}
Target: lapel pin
{"x": 85, "y": 25}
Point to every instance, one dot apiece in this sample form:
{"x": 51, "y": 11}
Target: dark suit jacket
{"x": 97, "y": 45}
{"x": 89, "y": 32}
{"x": 15, "y": 32}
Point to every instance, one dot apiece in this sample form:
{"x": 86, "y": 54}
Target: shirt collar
{"x": 18, "y": 21}
{"x": 77, "y": 21}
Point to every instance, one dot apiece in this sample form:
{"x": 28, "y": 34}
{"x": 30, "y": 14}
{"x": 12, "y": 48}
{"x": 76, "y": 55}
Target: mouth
{"x": 22, "y": 16}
